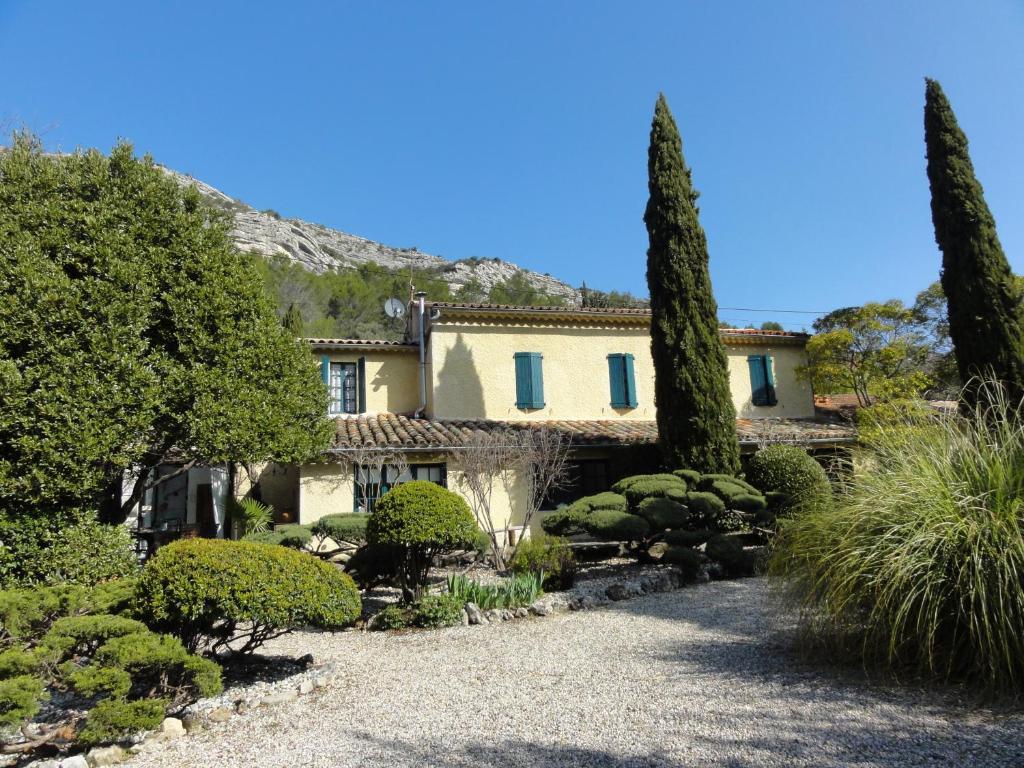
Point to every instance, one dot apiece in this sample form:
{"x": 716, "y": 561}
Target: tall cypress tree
{"x": 985, "y": 318}
{"x": 292, "y": 320}
{"x": 696, "y": 417}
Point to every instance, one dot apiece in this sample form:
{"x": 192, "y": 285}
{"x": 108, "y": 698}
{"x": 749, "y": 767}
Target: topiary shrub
{"x": 691, "y": 476}
{"x": 792, "y": 473}
{"x": 730, "y": 553}
{"x": 605, "y": 500}
{"x": 111, "y": 667}
{"x": 216, "y": 592}
{"x": 425, "y": 520}
{"x": 20, "y": 697}
{"x": 436, "y": 611}
{"x": 705, "y": 508}
{"x": 684, "y": 538}
{"x": 687, "y": 559}
{"x": 654, "y": 486}
{"x": 294, "y": 536}
{"x": 565, "y": 520}
{"x": 612, "y": 525}
{"x": 663, "y": 513}
{"x": 628, "y": 482}
{"x": 375, "y": 564}
{"x": 116, "y": 719}
{"x": 707, "y": 481}
{"x": 549, "y": 556}
{"x": 343, "y": 528}
{"x": 264, "y": 537}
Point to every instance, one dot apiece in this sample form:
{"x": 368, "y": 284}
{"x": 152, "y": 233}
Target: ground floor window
{"x": 584, "y": 477}
{"x": 372, "y": 482}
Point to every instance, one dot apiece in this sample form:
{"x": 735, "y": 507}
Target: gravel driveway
{"x": 698, "y": 677}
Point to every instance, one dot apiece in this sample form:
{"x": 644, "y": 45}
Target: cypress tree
{"x": 292, "y": 320}
{"x": 985, "y": 320}
{"x": 696, "y": 417}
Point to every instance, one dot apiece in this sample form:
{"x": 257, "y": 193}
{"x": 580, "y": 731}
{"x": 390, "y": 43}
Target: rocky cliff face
{"x": 320, "y": 248}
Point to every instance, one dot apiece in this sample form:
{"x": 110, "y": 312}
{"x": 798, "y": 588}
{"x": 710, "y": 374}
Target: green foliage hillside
{"x": 350, "y": 303}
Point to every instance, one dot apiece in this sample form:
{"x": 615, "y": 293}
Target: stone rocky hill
{"x": 321, "y": 248}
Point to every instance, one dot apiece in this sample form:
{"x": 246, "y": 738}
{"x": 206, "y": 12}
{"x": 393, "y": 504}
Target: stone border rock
{"x": 585, "y": 596}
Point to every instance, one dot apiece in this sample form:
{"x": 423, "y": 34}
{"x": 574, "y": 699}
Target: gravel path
{"x": 698, "y": 677}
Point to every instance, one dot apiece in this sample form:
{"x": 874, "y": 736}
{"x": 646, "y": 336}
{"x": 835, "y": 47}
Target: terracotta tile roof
{"x": 361, "y": 343}
{"x": 391, "y": 430}
{"x": 526, "y": 309}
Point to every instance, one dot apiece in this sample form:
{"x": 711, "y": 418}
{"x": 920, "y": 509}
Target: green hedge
{"x": 75, "y": 549}
{"x": 212, "y": 589}
{"x": 348, "y": 528}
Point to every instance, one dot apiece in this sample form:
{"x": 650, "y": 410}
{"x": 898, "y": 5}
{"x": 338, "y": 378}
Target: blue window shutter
{"x": 325, "y": 370}
{"x": 769, "y": 380}
{"x": 617, "y": 380}
{"x": 361, "y": 385}
{"x": 622, "y": 380}
{"x": 627, "y": 363}
{"x": 529, "y": 380}
{"x": 537, "y": 379}
{"x": 758, "y": 380}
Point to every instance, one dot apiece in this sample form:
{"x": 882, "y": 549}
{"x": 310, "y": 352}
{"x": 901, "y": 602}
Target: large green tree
{"x": 132, "y": 333}
{"x": 878, "y": 351}
{"x": 985, "y": 319}
{"x": 696, "y": 416}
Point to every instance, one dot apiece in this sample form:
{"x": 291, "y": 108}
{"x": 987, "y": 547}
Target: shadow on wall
{"x": 401, "y": 390}
{"x": 459, "y": 391}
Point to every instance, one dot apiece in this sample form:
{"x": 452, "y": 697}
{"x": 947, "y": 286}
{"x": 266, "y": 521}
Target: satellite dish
{"x": 394, "y": 308}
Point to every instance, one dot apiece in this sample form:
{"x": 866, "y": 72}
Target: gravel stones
{"x": 700, "y": 676}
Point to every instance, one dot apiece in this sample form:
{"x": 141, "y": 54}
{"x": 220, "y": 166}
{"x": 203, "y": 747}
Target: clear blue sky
{"x": 520, "y": 131}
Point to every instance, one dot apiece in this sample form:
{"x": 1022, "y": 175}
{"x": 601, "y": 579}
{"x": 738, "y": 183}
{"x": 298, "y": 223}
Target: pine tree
{"x": 985, "y": 319}
{"x": 696, "y": 416}
{"x": 292, "y": 320}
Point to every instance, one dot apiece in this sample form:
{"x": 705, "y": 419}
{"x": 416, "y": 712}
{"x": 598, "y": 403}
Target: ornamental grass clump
{"x": 918, "y": 563}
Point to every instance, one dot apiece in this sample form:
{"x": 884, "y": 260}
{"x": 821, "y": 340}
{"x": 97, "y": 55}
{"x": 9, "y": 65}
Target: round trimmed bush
{"x": 725, "y": 490}
{"x": 605, "y": 500}
{"x": 616, "y": 526}
{"x": 206, "y": 590}
{"x": 436, "y": 611}
{"x": 789, "y": 470}
{"x": 629, "y": 482}
{"x": 564, "y": 521}
{"x": 348, "y": 528}
{"x": 294, "y": 535}
{"x": 424, "y": 519}
{"x": 663, "y": 513}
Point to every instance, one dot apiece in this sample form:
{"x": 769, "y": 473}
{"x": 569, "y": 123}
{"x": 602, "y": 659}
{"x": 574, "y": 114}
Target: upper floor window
{"x": 346, "y": 385}
{"x": 342, "y": 386}
{"x": 762, "y": 382}
{"x": 622, "y": 380}
{"x": 529, "y": 380}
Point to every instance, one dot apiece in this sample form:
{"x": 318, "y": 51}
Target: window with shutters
{"x": 372, "y": 483}
{"x": 529, "y": 380}
{"x": 346, "y": 385}
{"x": 622, "y": 380}
{"x": 762, "y": 381}
{"x": 342, "y": 388}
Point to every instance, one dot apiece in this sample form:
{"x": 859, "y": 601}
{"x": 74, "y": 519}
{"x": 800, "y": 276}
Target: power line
{"x": 787, "y": 311}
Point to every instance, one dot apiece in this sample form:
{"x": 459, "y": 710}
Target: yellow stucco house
{"x": 470, "y": 368}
